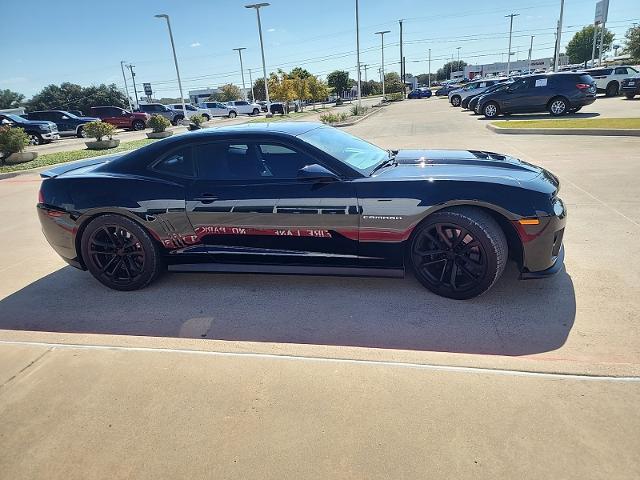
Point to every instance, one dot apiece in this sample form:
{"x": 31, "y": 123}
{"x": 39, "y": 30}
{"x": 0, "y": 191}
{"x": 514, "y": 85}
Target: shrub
{"x": 333, "y": 117}
{"x": 12, "y": 140}
{"x": 158, "y": 123}
{"x": 358, "y": 110}
{"x": 98, "y": 130}
{"x": 197, "y": 119}
{"x": 394, "y": 97}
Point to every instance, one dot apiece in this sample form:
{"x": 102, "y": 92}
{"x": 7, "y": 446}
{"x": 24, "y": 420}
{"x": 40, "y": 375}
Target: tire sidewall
{"x": 484, "y": 110}
{"x": 566, "y": 106}
{"x": 153, "y": 260}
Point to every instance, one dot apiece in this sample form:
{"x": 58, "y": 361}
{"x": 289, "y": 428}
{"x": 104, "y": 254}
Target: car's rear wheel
{"x": 119, "y": 253}
{"x": 629, "y": 95}
{"x": 81, "y": 133}
{"x": 206, "y": 117}
{"x": 490, "y": 110}
{"x": 558, "y": 106}
{"x": 613, "y": 89}
{"x": 232, "y": 115}
{"x": 456, "y": 100}
{"x": 458, "y": 253}
{"x": 255, "y": 111}
{"x": 177, "y": 119}
{"x": 138, "y": 125}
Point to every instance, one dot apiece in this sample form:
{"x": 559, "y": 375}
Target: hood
{"x": 37, "y": 122}
{"x": 460, "y": 165}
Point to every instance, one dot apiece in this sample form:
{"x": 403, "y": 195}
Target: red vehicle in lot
{"x": 121, "y": 118}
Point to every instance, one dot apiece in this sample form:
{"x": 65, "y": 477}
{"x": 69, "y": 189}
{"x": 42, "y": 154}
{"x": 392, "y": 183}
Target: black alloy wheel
{"x": 455, "y": 101}
{"x": 613, "y": 89}
{"x": 459, "y": 253}
{"x": 119, "y": 253}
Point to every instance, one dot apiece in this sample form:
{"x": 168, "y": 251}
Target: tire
{"x": 138, "y": 125}
{"x": 177, "y": 119}
{"x": 80, "y": 133}
{"x": 491, "y": 110}
{"x": 558, "y": 106}
{"x": 629, "y": 95}
{"x": 613, "y": 89}
{"x": 467, "y": 252}
{"x": 119, "y": 253}
{"x": 232, "y": 114}
{"x": 35, "y": 139}
{"x": 255, "y": 112}
{"x": 206, "y": 117}
{"x": 456, "y": 100}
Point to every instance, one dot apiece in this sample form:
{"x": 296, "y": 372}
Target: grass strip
{"x": 606, "y": 123}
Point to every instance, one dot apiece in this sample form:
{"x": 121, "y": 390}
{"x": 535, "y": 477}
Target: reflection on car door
{"x": 247, "y": 205}
{"x": 518, "y": 98}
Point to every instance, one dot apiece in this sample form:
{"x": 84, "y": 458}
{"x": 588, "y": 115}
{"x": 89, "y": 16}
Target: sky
{"x": 83, "y": 41}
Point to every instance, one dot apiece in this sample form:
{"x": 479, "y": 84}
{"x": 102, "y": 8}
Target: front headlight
{"x": 45, "y": 127}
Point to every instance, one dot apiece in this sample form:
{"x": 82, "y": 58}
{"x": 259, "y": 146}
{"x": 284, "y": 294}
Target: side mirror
{"x": 316, "y": 173}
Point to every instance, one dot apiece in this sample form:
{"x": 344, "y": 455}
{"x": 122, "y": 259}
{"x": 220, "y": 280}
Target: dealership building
{"x": 472, "y": 71}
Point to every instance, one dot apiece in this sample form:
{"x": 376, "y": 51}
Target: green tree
{"x": 300, "y": 72}
{"x": 444, "y": 73}
{"x": 392, "y": 83}
{"x": 339, "y": 80}
{"x": 317, "y": 89}
{"x": 580, "y": 47}
{"x": 10, "y": 99}
{"x": 227, "y": 93}
{"x": 632, "y": 46}
{"x": 258, "y": 90}
{"x": 371, "y": 87}
{"x": 281, "y": 87}
{"x": 423, "y": 78}
{"x": 69, "y": 96}
{"x": 300, "y": 87}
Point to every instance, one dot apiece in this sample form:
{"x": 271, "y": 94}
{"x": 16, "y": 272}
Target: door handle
{"x": 206, "y": 198}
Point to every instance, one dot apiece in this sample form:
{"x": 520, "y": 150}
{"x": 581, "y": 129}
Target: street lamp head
{"x": 383, "y": 32}
{"x": 257, "y": 5}
{"x": 162, "y": 15}
{"x": 239, "y": 49}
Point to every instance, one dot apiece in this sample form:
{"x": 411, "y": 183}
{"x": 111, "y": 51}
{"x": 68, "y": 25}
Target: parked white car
{"x": 245, "y": 108}
{"x": 191, "y": 110}
{"x": 608, "y": 79}
{"x": 472, "y": 88}
{"x": 217, "y": 109}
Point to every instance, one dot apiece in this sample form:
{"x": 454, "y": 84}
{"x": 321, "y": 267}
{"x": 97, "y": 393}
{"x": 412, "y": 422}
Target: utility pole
{"x": 556, "y": 60}
{"x": 429, "y": 68}
{"x": 511, "y": 15}
{"x": 602, "y": 31}
{"x": 244, "y": 89}
{"x": 365, "y": 66}
{"x": 595, "y": 38}
{"x": 358, "y": 55}
{"x": 382, "y": 66}
{"x": 175, "y": 61}
{"x": 401, "y": 59}
{"x": 253, "y": 97}
{"x": 257, "y": 7}
{"x": 133, "y": 79}
{"x": 530, "y": 50}
{"x": 126, "y": 88}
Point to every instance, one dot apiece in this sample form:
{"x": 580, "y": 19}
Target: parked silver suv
{"x": 472, "y": 88}
{"x": 174, "y": 116}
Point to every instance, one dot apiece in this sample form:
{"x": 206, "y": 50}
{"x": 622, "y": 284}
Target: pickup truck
{"x": 121, "y": 118}
{"x": 67, "y": 122}
{"x": 608, "y": 79}
{"x": 174, "y": 116}
{"x": 39, "y": 132}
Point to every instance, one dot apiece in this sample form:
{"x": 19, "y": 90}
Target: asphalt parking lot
{"x": 320, "y": 377}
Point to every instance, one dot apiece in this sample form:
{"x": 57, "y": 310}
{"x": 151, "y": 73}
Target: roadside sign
{"x": 602, "y": 10}
{"x": 147, "y": 89}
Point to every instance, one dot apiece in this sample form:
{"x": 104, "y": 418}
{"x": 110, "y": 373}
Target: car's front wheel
{"x": 138, "y": 125}
{"x": 81, "y": 133}
{"x": 255, "y": 112}
{"x": 613, "y": 89}
{"x": 456, "y": 100}
{"x": 35, "y": 139}
{"x": 458, "y": 253}
{"x": 119, "y": 253}
{"x": 629, "y": 95}
{"x": 232, "y": 114}
{"x": 490, "y": 110}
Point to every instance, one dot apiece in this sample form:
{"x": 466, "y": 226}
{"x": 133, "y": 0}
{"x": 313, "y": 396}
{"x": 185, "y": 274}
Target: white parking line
{"x": 302, "y": 358}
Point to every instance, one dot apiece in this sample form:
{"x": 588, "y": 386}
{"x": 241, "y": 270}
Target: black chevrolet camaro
{"x": 303, "y": 198}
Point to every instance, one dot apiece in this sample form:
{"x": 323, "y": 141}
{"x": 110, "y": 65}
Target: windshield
{"x": 355, "y": 152}
{"x": 13, "y": 117}
{"x": 70, "y": 115}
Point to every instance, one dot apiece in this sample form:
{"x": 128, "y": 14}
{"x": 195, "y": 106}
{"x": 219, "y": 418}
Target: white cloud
{"x": 271, "y": 30}
{"x": 195, "y": 44}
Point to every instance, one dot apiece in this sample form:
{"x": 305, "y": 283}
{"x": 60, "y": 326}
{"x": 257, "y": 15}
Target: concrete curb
{"x": 358, "y": 120}
{"x": 624, "y": 132}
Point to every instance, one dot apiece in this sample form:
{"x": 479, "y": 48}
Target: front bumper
{"x": 50, "y": 135}
{"x": 549, "y": 272}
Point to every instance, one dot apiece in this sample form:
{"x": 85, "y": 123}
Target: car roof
{"x": 289, "y": 128}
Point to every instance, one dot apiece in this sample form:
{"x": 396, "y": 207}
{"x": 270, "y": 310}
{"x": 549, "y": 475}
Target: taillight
{"x": 40, "y": 197}
{"x": 583, "y": 86}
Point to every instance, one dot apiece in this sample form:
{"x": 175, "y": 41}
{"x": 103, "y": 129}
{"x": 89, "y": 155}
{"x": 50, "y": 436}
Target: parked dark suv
{"x": 121, "y": 118}
{"x": 557, "y": 93}
{"x": 39, "y": 131}
{"x": 67, "y": 122}
{"x": 174, "y": 116}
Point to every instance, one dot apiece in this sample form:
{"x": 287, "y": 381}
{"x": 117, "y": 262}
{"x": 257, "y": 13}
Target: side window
{"x": 621, "y": 71}
{"x": 241, "y": 103}
{"x": 282, "y": 162}
{"x": 179, "y": 164}
{"x": 224, "y": 161}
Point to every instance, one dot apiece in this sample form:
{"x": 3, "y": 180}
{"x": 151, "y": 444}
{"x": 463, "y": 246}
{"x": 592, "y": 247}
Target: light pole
{"x": 126, "y": 88}
{"x": 593, "y": 51}
{"x": 530, "y": 50}
{"x": 257, "y": 6}
{"x": 133, "y": 80}
{"x": 253, "y": 97}
{"x": 365, "y": 66}
{"x": 382, "y": 66}
{"x": 244, "y": 90}
{"x": 429, "y": 68}
{"x": 556, "y": 59}
{"x": 401, "y": 59}
{"x": 358, "y": 55}
{"x": 458, "y": 48}
{"x": 175, "y": 60}
{"x": 511, "y": 15}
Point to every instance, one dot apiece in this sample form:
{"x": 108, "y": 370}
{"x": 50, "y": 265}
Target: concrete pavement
{"x": 182, "y": 402}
